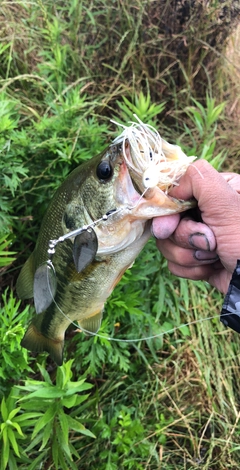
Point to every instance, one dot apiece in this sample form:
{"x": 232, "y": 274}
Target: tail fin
{"x": 35, "y": 341}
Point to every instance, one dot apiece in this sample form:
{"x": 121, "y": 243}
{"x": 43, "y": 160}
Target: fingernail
{"x": 205, "y": 255}
{"x": 199, "y": 240}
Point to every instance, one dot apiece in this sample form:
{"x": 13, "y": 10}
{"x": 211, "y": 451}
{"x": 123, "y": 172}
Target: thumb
{"x": 212, "y": 192}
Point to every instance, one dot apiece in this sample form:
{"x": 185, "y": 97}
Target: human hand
{"x": 206, "y": 250}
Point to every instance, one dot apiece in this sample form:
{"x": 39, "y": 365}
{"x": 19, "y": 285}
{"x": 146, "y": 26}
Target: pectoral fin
{"x": 91, "y": 324}
{"x": 35, "y": 341}
{"x": 25, "y": 280}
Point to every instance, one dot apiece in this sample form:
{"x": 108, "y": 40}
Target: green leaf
{"x": 26, "y": 418}
{"x": 17, "y": 427}
{"x": 70, "y": 401}
{"x": 47, "y": 434}
{"x": 34, "y": 443}
{"x": 56, "y": 449}
{"x": 45, "y": 374}
{"x": 12, "y": 463}
{"x": 185, "y": 330}
{"x": 45, "y": 419}
{"x": 63, "y": 444}
{"x": 13, "y": 441}
{"x": 51, "y": 392}
{"x": 13, "y": 413}
{"x": 74, "y": 387}
{"x": 74, "y": 400}
{"x": 5, "y": 449}
{"x": 76, "y": 426}
{"x": 64, "y": 425}
{"x": 4, "y": 410}
{"x": 37, "y": 462}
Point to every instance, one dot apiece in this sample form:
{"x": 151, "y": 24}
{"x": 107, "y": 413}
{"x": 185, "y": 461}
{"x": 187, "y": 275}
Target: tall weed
{"x": 166, "y": 402}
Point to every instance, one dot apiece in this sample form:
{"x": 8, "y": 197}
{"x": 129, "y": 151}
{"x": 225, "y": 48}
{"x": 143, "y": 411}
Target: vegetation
{"x": 166, "y": 402}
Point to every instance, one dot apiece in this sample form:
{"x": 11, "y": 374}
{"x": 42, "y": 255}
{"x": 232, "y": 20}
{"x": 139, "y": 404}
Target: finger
{"x": 227, "y": 175}
{"x": 185, "y": 257}
{"x": 218, "y": 278}
{"x": 205, "y": 184}
{"x": 233, "y": 180}
{"x": 163, "y": 227}
{"x": 195, "y": 273}
{"x": 218, "y": 203}
{"x": 191, "y": 234}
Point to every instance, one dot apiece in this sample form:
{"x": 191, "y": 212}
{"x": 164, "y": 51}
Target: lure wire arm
{"x": 54, "y": 242}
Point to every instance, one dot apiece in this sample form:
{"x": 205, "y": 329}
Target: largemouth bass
{"x": 122, "y": 189}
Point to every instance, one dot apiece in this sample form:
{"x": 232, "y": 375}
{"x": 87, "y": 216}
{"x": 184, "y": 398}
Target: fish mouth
{"x": 145, "y": 203}
{"x": 128, "y": 221}
{"x": 127, "y": 193}
{"x": 144, "y": 175}
{"x": 150, "y": 168}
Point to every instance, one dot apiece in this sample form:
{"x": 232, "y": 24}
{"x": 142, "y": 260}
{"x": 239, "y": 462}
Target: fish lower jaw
{"x": 158, "y": 204}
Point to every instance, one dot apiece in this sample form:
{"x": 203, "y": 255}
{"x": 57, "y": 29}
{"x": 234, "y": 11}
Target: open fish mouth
{"x": 150, "y": 169}
{"x": 151, "y": 160}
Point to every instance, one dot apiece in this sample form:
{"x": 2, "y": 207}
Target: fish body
{"x": 100, "y": 186}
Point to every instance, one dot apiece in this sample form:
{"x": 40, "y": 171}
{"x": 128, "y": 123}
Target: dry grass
{"x": 233, "y": 55}
{"x": 198, "y": 384}
{"x": 175, "y": 50}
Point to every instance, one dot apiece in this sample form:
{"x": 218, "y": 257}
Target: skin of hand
{"x": 206, "y": 250}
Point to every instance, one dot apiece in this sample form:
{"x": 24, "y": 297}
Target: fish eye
{"x": 104, "y": 170}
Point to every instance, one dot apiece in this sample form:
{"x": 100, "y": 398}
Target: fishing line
{"x": 153, "y": 159}
{"x": 120, "y": 340}
{"x": 134, "y": 340}
{"x": 73, "y": 233}
{"x": 54, "y": 242}
{"x": 50, "y": 265}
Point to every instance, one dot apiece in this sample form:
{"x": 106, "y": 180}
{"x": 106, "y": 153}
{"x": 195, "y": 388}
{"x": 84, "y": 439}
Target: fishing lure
{"x": 96, "y": 224}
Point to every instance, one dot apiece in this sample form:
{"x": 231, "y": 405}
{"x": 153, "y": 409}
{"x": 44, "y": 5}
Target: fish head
{"x": 98, "y": 187}
{"x": 112, "y": 196}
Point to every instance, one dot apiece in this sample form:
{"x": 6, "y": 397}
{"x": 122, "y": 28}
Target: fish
{"x": 95, "y": 226}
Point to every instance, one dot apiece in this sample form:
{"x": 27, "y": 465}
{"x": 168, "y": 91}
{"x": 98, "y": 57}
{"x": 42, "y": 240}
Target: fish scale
{"x": 102, "y": 185}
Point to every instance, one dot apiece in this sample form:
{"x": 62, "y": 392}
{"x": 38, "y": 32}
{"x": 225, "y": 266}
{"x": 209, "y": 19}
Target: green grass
{"x": 170, "y": 402}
